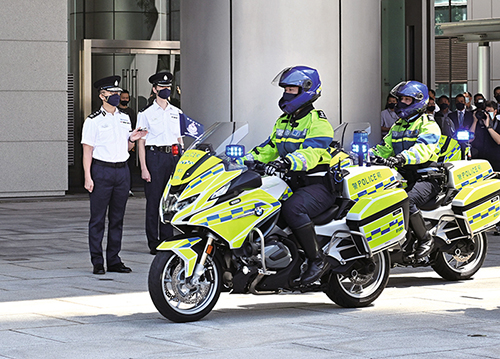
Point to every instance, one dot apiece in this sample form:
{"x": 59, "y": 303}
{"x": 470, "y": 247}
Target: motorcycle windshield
{"x": 344, "y": 133}
{"x": 219, "y": 135}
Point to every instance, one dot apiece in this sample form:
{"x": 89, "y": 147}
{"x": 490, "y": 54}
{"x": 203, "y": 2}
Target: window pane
{"x": 458, "y": 89}
{"x": 441, "y": 15}
{"x": 442, "y": 89}
{"x": 458, "y": 13}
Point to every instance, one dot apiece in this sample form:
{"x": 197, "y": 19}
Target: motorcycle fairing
{"x": 464, "y": 173}
{"x": 233, "y": 220}
{"x": 182, "y": 248}
{"x": 205, "y": 186}
{"x": 187, "y": 162}
{"x": 363, "y": 181}
{"x": 341, "y": 157}
{"x": 381, "y": 217}
{"x": 480, "y": 203}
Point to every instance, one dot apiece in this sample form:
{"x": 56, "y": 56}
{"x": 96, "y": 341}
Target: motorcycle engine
{"x": 277, "y": 255}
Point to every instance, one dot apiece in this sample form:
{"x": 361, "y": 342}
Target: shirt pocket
{"x": 106, "y": 135}
{"x": 173, "y": 126}
{"x": 124, "y": 130}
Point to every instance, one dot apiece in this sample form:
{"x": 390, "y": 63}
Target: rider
{"x": 412, "y": 143}
{"x": 298, "y": 145}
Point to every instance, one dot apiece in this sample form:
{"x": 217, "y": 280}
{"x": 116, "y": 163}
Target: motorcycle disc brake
{"x": 182, "y": 292}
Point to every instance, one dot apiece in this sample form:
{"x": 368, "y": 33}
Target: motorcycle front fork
{"x": 200, "y": 267}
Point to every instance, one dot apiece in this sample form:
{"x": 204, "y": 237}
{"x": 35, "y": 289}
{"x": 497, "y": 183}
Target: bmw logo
{"x": 258, "y": 211}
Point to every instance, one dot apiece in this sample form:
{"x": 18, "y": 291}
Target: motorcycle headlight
{"x": 184, "y": 203}
{"x": 221, "y": 191}
{"x": 170, "y": 205}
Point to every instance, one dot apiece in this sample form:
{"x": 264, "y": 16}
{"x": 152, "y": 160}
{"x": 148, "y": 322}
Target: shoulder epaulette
{"x": 95, "y": 113}
{"x": 146, "y": 107}
{"x": 321, "y": 114}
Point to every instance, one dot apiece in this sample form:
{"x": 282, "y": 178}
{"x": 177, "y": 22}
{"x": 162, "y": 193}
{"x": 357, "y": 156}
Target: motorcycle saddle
{"x": 327, "y": 216}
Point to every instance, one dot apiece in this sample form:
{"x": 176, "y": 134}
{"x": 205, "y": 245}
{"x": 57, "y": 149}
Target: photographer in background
{"x": 486, "y": 127}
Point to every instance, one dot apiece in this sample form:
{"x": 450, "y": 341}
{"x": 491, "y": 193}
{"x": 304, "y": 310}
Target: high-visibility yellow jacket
{"x": 304, "y": 141}
{"x": 417, "y": 141}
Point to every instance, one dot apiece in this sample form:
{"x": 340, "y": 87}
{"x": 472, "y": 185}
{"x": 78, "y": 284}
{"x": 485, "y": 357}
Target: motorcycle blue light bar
{"x": 235, "y": 151}
{"x": 360, "y": 142}
{"x": 463, "y": 135}
{"x": 360, "y": 137}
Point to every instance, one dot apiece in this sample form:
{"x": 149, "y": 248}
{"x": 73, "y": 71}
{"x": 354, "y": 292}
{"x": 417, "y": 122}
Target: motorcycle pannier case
{"x": 479, "y": 203}
{"x": 381, "y": 218}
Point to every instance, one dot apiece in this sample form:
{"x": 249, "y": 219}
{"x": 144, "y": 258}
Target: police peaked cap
{"x": 109, "y": 83}
{"x": 161, "y": 78}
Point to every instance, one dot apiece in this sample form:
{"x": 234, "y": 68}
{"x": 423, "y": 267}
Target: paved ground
{"x": 51, "y": 306}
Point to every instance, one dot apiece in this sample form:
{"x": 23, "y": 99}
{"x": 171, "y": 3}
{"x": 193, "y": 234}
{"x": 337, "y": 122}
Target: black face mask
{"x": 497, "y": 97}
{"x": 444, "y": 106}
{"x": 113, "y": 100}
{"x": 288, "y": 96}
{"x": 460, "y": 106}
{"x": 124, "y": 103}
{"x": 431, "y": 108}
{"x": 391, "y": 105}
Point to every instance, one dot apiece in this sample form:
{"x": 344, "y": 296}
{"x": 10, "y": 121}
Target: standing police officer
{"x": 411, "y": 144}
{"x": 298, "y": 145}
{"x": 155, "y": 154}
{"x": 106, "y": 141}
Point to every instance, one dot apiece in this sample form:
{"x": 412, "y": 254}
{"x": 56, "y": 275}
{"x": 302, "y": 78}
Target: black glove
{"x": 280, "y": 165}
{"x": 397, "y": 161}
{"x": 377, "y": 160}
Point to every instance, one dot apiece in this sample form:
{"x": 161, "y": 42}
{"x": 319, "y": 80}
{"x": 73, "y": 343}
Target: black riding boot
{"x": 306, "y": 236}
{"x": 425, "y": 240}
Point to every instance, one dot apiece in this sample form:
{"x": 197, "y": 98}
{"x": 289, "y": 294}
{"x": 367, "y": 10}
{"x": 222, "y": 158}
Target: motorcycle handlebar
{"x": 256, "y": 166}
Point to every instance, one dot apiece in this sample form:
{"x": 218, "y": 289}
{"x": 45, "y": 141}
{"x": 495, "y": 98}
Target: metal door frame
{"x": 102, "y": 46}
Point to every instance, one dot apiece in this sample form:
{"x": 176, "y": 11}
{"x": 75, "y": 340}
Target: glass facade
{"x": 125, "y": 19}
{"x": 451, "y": 56}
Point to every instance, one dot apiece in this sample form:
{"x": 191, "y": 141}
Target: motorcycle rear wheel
{"x": 358, "y": 290}
{"x": 173, "y": 295}
{"x": 455, "y": 267}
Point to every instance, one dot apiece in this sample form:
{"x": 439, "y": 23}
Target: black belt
{"x": 109, "y": 164}
{"x": 166, "y": 149}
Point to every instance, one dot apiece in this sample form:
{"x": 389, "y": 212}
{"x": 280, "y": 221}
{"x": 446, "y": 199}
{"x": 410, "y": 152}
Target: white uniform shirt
{"x": 108, "y": 134}
{"x": 163, "y": 126}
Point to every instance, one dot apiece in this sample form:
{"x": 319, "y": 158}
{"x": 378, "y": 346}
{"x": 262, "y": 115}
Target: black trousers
{"x": 306, "y": 203}
{"x": 421, "y": 193}
{"x": 160, "y": 166}
{"x": 110, "y": 194}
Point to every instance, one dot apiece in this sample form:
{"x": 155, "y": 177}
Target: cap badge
{"x": 165, "y": 77}
{"x": 116, "y": 83}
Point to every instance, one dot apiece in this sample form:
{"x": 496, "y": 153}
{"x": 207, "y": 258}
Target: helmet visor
{"x": 407, "y": 88}
{"x": 292, "y": 77}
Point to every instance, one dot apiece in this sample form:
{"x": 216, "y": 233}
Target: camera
{"x": 481, "y": 115}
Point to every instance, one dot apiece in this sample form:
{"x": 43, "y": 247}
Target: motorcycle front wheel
{"x": 459, "y": 265}
{"x": 356, "y": 290}
{"x": 174, "y": 296}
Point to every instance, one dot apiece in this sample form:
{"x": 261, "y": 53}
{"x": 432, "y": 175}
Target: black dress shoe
{"x": 99, "y": 269}
{"x": 120, "y": 268}
{"x": 153, "y": 251}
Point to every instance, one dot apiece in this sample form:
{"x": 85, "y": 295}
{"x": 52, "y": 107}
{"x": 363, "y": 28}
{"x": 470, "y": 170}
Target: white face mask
{"x": 492, "y": 115}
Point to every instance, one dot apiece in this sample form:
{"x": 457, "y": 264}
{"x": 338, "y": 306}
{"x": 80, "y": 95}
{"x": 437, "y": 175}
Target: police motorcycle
{"x": 230, "y": 237}
{"x": 458, "y": 217}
